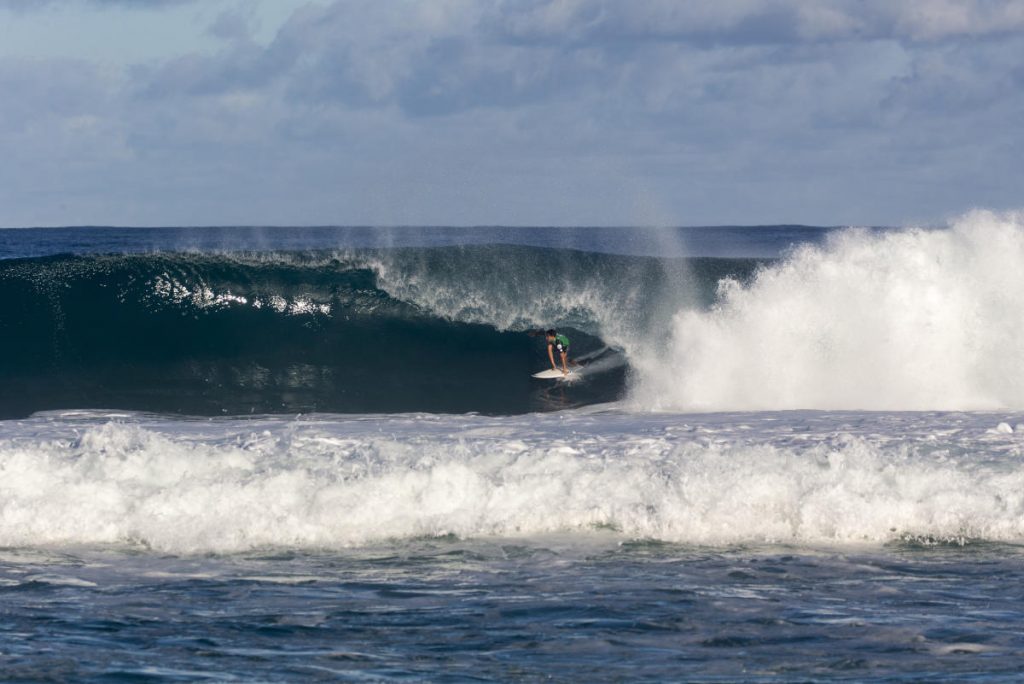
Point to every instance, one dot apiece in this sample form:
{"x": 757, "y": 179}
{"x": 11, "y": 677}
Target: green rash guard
{"x": 561, "y": 343}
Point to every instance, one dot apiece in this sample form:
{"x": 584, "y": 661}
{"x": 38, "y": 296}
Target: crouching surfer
{"x": 559, "y": 343}
{"x": 556, "y": 343}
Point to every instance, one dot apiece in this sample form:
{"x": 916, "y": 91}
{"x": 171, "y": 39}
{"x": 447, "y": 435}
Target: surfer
{"x": 561, "y": 344}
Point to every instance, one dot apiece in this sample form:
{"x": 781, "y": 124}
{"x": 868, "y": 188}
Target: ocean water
{"x": 791, "y": 454}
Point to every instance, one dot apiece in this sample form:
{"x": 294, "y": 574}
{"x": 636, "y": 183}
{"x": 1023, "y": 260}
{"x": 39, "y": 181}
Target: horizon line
{"x": 358, "y": 226}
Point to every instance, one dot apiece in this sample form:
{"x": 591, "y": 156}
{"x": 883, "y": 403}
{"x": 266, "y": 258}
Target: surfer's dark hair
{"x": 550, "y": 332}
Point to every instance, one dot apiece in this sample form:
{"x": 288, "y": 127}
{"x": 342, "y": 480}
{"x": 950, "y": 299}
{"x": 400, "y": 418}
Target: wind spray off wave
{"x": 905, "y": 320}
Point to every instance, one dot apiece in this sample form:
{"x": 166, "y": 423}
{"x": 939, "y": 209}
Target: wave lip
{"x": 231, "y": 486}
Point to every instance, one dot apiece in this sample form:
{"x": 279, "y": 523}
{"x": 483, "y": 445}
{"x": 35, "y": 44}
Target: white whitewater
{"x": 907, "y": 320}
{"x": 191, "y": 486}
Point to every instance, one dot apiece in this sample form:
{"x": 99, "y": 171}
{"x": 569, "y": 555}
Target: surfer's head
{"x": 549, "y": 333}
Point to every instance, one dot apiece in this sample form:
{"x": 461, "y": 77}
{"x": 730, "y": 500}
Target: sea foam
{"x": 234, "y": 485}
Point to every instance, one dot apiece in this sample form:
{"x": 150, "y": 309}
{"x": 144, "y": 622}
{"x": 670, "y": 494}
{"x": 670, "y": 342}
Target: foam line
{"x": 187, "y": 488}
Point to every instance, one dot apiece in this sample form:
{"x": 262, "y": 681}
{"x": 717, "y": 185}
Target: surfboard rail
{"x": 551, "y": 374}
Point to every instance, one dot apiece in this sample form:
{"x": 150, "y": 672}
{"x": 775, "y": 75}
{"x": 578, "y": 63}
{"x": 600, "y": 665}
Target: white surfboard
{"x": 550, "y": 374}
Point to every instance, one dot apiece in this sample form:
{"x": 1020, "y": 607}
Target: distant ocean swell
{"x": 418, "y": 329}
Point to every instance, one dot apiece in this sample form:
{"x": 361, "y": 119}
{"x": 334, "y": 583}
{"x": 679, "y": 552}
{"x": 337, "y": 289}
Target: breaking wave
{"x": 906, "y": 319}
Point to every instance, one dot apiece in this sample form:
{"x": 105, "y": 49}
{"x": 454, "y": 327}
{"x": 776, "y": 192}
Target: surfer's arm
{"x": 551, "y": 355}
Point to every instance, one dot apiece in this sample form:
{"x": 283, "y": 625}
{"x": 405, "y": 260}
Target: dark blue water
{"x": 449, "y": 610}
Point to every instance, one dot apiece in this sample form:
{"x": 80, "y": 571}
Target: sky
{"x": 509, "y": 112}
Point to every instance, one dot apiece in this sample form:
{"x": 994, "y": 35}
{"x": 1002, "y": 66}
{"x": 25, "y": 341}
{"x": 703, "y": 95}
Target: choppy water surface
{"x": 561, "y": 609}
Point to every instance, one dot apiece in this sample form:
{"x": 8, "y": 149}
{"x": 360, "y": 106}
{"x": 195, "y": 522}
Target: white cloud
{"x": 534, "y": 111}
{"x": 33, "y": 5}
{"x": 761, "y": 21}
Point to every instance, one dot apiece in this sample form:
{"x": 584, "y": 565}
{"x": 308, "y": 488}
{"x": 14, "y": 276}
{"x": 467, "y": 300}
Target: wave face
{"x": 233, "y": 484}
{"x": 909, "y": 319}
{"x": 424, "y": 329}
